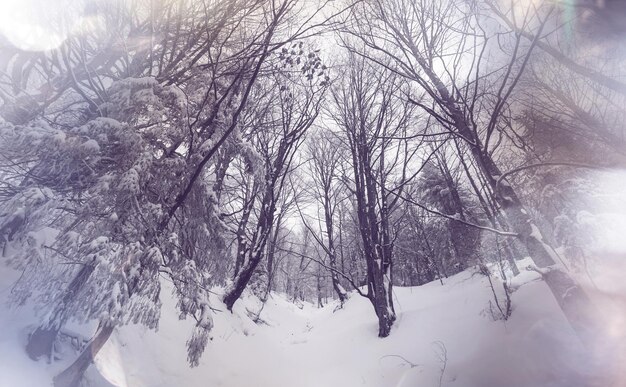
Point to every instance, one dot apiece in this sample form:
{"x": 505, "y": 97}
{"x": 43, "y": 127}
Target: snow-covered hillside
{"x": 445, "y": 335}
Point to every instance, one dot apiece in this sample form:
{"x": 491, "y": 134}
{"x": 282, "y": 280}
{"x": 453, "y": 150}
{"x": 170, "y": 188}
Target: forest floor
{"x": 444, "y": 336}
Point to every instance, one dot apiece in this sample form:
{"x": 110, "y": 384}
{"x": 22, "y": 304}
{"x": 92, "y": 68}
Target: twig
{"x": 411, "y": 364}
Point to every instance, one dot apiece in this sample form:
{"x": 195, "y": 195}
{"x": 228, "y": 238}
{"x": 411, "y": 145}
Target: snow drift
{"x": 444, "y": 336}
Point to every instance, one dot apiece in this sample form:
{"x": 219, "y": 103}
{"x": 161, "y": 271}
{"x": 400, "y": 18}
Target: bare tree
{"x": 368, "y": 110}
{"x": 298, "y": 99}
{"x": 427, "y": 42}
{"x": 324, "y": 156}
{"x": 143, "y": 114}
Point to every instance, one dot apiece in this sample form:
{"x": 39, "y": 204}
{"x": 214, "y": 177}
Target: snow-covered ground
{"x": 444, "y": 335}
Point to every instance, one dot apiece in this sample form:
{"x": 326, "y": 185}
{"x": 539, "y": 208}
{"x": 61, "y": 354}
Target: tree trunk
{"x": 73, "y": 374}
{"x": 570, "y": 296}
{"x": 320, "y": 304}
{"x": 242, "y": 246}
{"x": 241, "y": 281}
{"x": 41, "y": 343}
{"x": 271, "y": 252}
{"x": 378, "y": 266}
{"x": 381, "y": 296}
{"x": 255, "y": 252}
{"x": 574, "y": 302}
{"x": 332, "y": 254}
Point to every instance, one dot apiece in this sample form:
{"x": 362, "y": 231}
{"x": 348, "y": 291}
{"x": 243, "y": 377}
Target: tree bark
{"x": 575, "y": 303}
{"x": 73, "y": 374}
{"x": 41, "y": 342}
{"x": 254, "y": 253}
{"x": 332, "y": 254}
{"x": 378, "y": 264}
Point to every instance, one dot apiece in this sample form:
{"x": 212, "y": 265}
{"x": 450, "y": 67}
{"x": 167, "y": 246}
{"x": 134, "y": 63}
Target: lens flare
{"x": 38, "y": 25}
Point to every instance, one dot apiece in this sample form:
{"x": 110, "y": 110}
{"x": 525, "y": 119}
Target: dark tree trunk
{"x": 332, "y": 253}
{"x": 41, "y": 343}
{"x": 254, "y": 252}
{"x": 320, "y": 304}
{"x": 242, "y": 245}
{"x": 575, "y": 303}
{"x": 271, "y": 253}
{"x": 376, "y": 253}
{"x": 241, "y": 281}
{"x": 381, "y": 299}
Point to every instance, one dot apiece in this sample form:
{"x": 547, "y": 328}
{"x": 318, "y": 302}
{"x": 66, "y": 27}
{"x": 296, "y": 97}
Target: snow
{"x": 91, "y": 146}
{"x": 535, "y": 233}
{"x": 438, "y": 327}
{"x": 16, "y": 369}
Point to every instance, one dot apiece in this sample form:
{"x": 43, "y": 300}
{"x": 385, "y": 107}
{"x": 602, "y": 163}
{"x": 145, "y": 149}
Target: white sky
{"x": 37, "y": 25}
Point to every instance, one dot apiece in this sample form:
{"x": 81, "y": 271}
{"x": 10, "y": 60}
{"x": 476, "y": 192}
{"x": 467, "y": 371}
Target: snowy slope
{"x": 438, "y": 326}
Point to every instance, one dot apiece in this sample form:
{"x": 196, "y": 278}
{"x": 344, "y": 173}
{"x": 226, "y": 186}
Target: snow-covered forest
{"x": 312, "y": 193}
